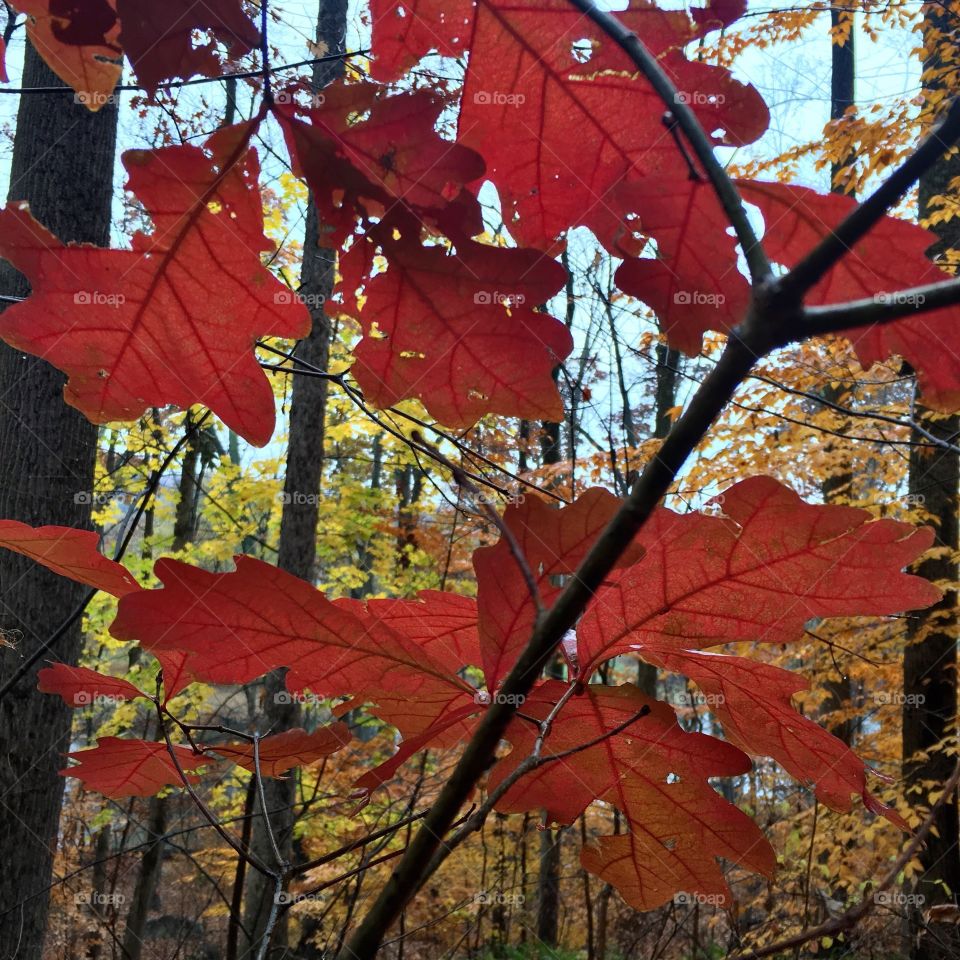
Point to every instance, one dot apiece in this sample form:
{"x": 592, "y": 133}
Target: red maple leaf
{"x": 175, "y": 319}
{"x": 161, "y": 38}
{"x": 80, "y": 44}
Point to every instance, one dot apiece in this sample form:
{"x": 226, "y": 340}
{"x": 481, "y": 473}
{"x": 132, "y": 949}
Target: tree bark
{"x": 148, "y": 880}
{"x": 930, "y": 659}
{"x": 62, "y": 164}
{"x": 298, "y": 523}
{"x": 834, "y": 487}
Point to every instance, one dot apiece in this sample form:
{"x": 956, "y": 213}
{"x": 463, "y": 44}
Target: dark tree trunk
{"x": 148, "y": 879}
{"x": 548, "y": 887}
{"x": 930, "y": 659}
{"x": 836, "y": 486}
{"x": 184, "y": 525}
{"x": 62, "y": 165}
{"x": 298, "y": 524}
{"x": 665, "y": 399}
{"x": 668, "y": 373}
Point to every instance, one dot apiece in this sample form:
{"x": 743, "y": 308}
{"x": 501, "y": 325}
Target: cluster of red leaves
{"x": 757, "y": 568}
{"x": 447, "y": 319}
{"x": 84, "y": 43}
{"x": 456, "y": 322}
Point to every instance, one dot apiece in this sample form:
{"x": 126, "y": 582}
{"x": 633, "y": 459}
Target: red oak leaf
{"x": 238, "y": 626}
{"x": 292, "y": 748}
{"x": 797, "y": 219}
{"x": 758, "y": 572}
{"x": 80, "y": 687}
{"x": 718, "y": 13}
{"x": 453, "y": 327}
{"x": 70, "y": 553}
{"x": 79, "y": 42}
{"x": 175, "y": 319}
{"x": 552, "y": 542}
{"x": 391, "y": 156}
{"x": 161, "y": 38}
{"x": 693, "y": 284}
{"x": 654, "y": 773}
{"x": 444, "y": 625}
{"x": 537, "y": 70}
{"x": 455, "y": 727}
{"x": 177, "y": 672}
{"x": 456, "y": 329}
{"x": 752, "y": 701}
{"x": 132, "y": 768}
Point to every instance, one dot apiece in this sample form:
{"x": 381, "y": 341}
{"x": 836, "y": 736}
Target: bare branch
{"x": 649, "y": 66}
{"x": 851, "y": 231}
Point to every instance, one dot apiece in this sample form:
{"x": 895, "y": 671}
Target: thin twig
{"x": 196, "y": 81}
{"x": 248, "y": 855}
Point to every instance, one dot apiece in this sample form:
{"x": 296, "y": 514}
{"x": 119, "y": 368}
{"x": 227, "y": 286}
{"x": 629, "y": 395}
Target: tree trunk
{"x": 930, "y": 659}
{"x": 148, "y": 879}
{"x": 184, "y": 526}
{"x": 62, "y": 164}
{"x": 298, "y": 523}
{"x": 836, "y": 486}
{"x": 548, "y": 887}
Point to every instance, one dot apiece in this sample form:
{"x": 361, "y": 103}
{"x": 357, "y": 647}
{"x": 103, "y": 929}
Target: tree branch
{"x": 686, "y": 119}
{"x": 855, "y": 914}
{"x": 851, "y": 231}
